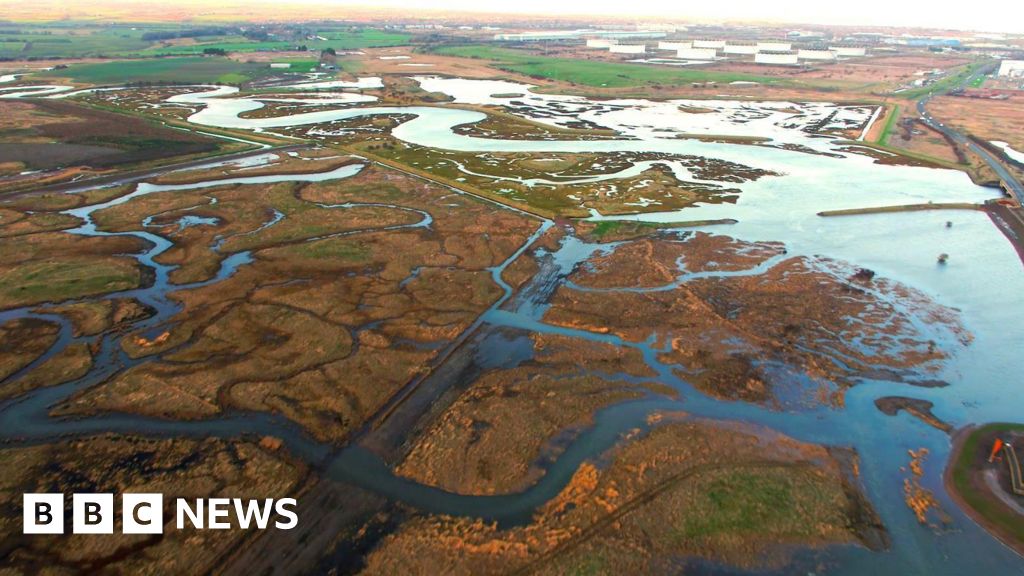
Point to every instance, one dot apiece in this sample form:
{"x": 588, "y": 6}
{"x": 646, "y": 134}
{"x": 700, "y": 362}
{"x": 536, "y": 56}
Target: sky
{"x": 984, "y": 15}
{"x": 1006, "y": 16}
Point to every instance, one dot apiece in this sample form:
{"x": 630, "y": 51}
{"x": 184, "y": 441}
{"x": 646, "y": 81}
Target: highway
{"x": 1014, "y": 185}
{"x": 1009, "y": 220}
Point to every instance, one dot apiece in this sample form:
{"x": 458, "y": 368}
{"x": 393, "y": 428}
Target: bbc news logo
{"x": 144, "y": 513}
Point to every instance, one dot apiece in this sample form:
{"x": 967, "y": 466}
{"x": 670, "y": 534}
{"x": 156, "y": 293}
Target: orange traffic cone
{"x": 996, "y": 447}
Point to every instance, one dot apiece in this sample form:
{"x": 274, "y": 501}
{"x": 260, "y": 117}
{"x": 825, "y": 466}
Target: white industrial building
{"x": 1012, "y": 68}
{"x": 674, "y": 45}
{"x": 714, "y": 44}
{"x": 627, "y": 49}
{"x": 600, "y": 42}
{"x": 697, "y": 54}
{"x": 777, "y": 58}
{"x": 740, "y": 49}
{"x": 848, "y": 51}
{"x": 812, "y": 54}
{"x": 774, "y": 46}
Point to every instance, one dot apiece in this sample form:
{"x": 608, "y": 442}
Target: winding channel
{"x": 984, "y": 270}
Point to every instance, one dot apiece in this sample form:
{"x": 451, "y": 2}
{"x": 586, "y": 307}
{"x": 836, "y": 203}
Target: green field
{"x": 83, "y": 40}
{"x": 350, "y": 40}
{"x": 594, "y": 73}
{"x": 189, "y": 69}
{"x": 32, "y": 42}
{"x": 345, "y": 40}
{"x": 301, "y": 65}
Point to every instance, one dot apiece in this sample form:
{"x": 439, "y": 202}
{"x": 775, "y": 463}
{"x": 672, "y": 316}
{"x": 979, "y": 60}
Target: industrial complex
{"x": 1012, "y": 68}
{"x": 774, "y": 52}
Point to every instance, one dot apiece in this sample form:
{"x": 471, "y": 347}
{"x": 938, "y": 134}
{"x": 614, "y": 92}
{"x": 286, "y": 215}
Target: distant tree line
{"x": 187, "y": 33}
{"x": 47, "y": 41}
{"x": 256, "y": 34}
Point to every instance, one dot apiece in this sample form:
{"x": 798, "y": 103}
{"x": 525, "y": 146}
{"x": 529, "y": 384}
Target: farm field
{"x": 341, "y": 40}
{"x": 876, "y": 74}
{"x": 18, "y": 42}
{"x": 48, "y": 41}
{"x": 183, "y": 70}
{"x": 593, "y": 73}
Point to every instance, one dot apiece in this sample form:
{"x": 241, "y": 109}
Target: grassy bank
{"x": 890, "y": 121}
{"x": 993, "y": 514}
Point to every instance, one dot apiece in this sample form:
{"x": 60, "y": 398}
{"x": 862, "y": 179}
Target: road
{"x": 1009, "y": 220}
{"x": 1013, "y": 185}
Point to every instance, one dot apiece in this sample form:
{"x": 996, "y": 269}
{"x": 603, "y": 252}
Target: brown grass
{"x": 987, "y": 119}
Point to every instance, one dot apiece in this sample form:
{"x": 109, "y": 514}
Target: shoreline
{"x": 958, "y": 439}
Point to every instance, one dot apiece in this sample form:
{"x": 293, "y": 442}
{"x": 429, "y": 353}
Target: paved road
{"x": 1009, "y": 220}
{"x": 1014, "y": 184}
